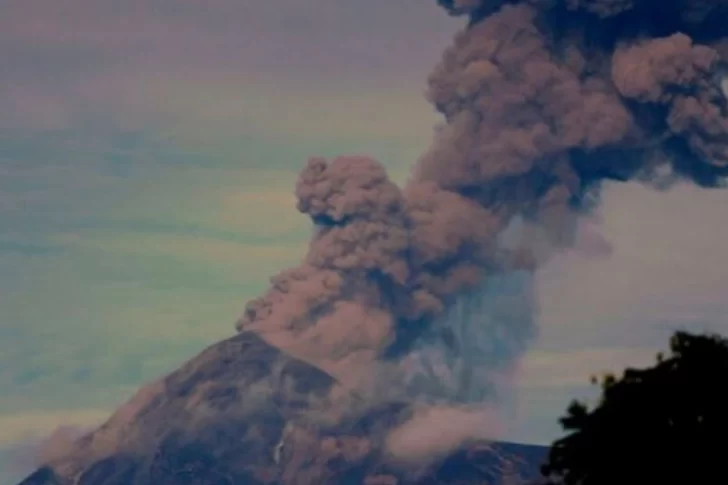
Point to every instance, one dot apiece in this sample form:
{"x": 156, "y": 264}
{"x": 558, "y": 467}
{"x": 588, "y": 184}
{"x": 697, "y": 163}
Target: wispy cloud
{"x": 19, "y": 427}
{"x": 254, "y": 260}
{"x": 574, "y": 368}
{"x": 237, "y": 67}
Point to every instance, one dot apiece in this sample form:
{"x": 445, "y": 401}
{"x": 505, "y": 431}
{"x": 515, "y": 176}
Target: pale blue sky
{"x": 147, "y": 157}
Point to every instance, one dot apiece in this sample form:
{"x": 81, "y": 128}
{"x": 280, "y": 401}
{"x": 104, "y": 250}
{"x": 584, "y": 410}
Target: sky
{"x": 148, "y": 151}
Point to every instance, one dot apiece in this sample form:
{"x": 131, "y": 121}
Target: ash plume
{"x": 542, "y": 100}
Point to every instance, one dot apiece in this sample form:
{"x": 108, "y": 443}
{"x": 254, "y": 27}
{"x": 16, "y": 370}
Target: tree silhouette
{"x": 666, "y": 424}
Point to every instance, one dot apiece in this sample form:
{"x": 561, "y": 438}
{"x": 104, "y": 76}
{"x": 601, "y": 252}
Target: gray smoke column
{"x": 542, "y": 100}
{"x": 382, "y": 268}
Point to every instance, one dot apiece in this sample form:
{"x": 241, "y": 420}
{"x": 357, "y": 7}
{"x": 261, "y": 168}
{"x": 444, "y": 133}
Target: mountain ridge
{"x": 244, "y": 412}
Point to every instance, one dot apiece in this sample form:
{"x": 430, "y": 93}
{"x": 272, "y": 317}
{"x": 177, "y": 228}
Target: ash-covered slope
{"x": 243, "y": 412}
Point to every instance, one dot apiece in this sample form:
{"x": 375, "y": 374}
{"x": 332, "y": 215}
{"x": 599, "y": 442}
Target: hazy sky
{"x": 147, "y": 155}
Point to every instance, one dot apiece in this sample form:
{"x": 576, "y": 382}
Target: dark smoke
{"x": 542, "y": 101}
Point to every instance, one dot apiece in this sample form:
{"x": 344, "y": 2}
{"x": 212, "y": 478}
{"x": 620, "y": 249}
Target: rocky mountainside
{"x": 243, "y": 412}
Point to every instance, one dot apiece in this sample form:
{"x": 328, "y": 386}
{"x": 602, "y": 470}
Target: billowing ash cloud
{"x": 542, "y": 100}
{"x": 383, "y": 266}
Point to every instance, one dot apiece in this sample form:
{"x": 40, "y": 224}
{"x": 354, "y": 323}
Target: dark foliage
{"x": 663, "y": 425}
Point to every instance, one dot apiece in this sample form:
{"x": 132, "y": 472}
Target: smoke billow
{"x": 542, "y": 101}
{"x": 434, "y": 432}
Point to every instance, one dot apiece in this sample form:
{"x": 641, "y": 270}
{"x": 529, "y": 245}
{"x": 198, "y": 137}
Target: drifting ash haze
{"x": 542, "y": 101}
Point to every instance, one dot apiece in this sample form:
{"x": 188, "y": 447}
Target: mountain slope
{"x": 243, "y": 412}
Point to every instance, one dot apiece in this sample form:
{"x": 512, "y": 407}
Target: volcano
{"x": 240, "y": 413}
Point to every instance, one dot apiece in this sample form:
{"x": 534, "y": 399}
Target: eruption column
{"x": 542, "y": 100}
